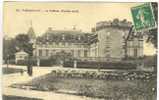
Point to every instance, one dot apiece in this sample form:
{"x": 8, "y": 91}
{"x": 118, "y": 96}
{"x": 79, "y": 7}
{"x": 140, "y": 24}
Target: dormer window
{"x": 47, "y": 42}
{"x": 79, "y": 37}
{"x": 108, "y": 34}
{"x": 47, "y": 37}
{"x": 63, "y": 37}
{"x": 50, "y": 28}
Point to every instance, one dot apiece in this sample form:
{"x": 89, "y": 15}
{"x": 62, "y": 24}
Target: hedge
{"x": 111, "y": 75}
{"x": 45, "y": 62}
{"x": 25, "y": 62}
{"x": 68, "y": 64}
{"x": 101, "y": 65}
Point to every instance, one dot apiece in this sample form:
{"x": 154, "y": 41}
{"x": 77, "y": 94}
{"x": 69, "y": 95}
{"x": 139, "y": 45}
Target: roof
{"x": 72, "y": 36}
{"x": 132, "y": 34}
{"x": 21, "y": 53}
{"x": 122, "y": 24}
{"x": 31, "y": 33}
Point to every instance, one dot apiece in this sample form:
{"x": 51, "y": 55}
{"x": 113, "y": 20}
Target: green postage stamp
{"x": 143, "y": 17}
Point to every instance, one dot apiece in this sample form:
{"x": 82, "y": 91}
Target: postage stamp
{"x": 143, "y": 17}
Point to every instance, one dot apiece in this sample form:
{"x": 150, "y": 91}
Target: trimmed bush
{"x": 25, "y": 62}
{"x": 45, "y": 62}
{"x": 11, "y": 61}
{"x": 21, "y": 62}
{"x": 68, "y": 64}
{"x": 101, "y": 65}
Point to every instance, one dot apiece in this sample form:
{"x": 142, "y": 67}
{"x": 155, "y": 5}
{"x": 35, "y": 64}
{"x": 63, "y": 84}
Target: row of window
{"x": 46, "y": 52}
{"x": 135, "y": 43}
{"x": 65, "y": 37}
{"x": 135, "y": 52}
{"x": 62, "y": 44}
{"x": 20, "y": 57}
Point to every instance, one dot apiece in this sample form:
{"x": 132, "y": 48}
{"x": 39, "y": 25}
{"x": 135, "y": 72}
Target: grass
{"x": 9, "y": 97}
{"x": 100, "y": 88}
{"x": 8, "y": 70}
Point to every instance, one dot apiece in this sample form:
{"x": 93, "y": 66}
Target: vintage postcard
{"x": 79, "y": 50}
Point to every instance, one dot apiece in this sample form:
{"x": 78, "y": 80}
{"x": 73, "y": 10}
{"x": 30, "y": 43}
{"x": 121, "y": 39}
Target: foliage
{"x": 13, "y": 45}
{"x": 8, "y": 70}
{"x": 60, "y": 56}
{"x": 107, "y": 89}
{"x": 103, "y": 65}
{"x": 45, "y": 62}
{"x": 9, "y": 97}
{"x": 8, "y": 48}
{"x": 23, "y": 43}
{"x": 152, "y": 36}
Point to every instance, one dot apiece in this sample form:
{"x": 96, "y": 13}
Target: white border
{"x": 1, "y": 35}
{"x": 115, "y": 1}
{"x": 100, "y": 1}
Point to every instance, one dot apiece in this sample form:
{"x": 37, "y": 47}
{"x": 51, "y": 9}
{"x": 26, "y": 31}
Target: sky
{"x": 19, "y": 16}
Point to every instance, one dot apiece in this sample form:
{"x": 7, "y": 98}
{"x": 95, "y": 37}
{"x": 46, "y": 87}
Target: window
{"x": 20, "y": 57}
{"x": 52, "y": 45}
{"x": 40, "y": 52}
{"x": 79, "y": 53}
{"x": 141, "y": 43}
{"x": 47, "y": 52}
{"x": 63, "y": 43}
{"x": 130, "y": 43}
{"x": 135, "y": 42}
{"x": 60, "y": 44}
{"x": 72, "y": 52}
{"x": 57, "y": 43}
{"x": 53, "y": 52}
{"x": 85, "y": 53}
{"x": 63, "y": 37}
{"x": 135, "y": 52}
{"x": 66, "y": 44}
{"x": 79, "y": 37}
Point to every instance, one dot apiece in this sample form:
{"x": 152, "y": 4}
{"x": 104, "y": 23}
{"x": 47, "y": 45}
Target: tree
{"x": 22, "y": 42}
{"x": 8, "y": 48}
{"x": 152, "y": 36}
{"x": 115, "y": 22}
{"x": 12, "y": 45}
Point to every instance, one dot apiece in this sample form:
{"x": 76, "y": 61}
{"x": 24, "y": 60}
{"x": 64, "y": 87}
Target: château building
{"x": 109, "y": 40}
{"x": 74, "y": 42}
{"x": 134, "y": 44}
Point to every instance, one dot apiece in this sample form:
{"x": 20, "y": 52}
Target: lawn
{"x": 8, "y": 70}
{"x": 9, "y": 97}
{"x": 94, "y": 87}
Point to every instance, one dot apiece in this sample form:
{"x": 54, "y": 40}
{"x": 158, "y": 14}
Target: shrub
{"x": 45, "y": 62}
{"x": 68, "y": 64}
{"x": 25, "y": 62}
{"x": 101, "y": 65}
{"x": 21, "y": 62}
{"x": 11, "y": 61}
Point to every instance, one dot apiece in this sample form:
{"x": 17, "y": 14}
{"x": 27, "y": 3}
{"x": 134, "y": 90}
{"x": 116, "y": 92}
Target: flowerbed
{"x": 132, "y": 85}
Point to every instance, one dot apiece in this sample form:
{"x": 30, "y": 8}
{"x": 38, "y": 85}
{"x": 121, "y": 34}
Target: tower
{"x": 31, "y": 33}
{"x": 32, "y": 37}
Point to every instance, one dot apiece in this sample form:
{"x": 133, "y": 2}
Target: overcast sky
{"x": 17, "y": 18}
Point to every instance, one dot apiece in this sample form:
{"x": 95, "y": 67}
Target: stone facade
{"x": 134, "y": 44}
{"x": 111, "y": 38}
{"x": 20, "y": 56}
{"x": 73, "y": 42}
{"x": 108, "y": 40}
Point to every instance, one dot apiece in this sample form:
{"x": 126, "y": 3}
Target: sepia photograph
{"x": 79, "y": 50}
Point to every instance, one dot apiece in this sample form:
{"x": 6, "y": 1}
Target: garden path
{"x": 10, "y": 79}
